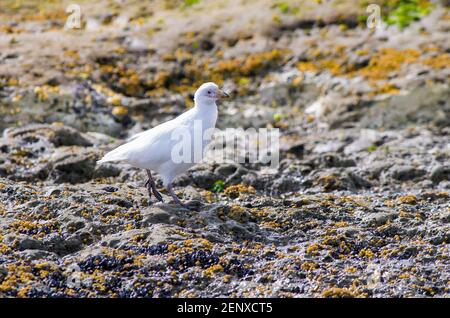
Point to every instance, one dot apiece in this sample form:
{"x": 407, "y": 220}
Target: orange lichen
{"x": 386, "y": 61}
{"x": 438, "y": 62}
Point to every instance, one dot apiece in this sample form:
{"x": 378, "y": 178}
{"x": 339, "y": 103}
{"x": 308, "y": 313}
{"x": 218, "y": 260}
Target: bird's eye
{"x": 209, "y": 92}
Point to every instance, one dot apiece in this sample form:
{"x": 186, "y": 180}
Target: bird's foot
{"x": 151, "y": 187}
{"x": 157, "y": 195}
{"x": 176, "y": 199}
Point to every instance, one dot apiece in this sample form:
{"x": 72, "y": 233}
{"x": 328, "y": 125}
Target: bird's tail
{"x": 118, "y": 154}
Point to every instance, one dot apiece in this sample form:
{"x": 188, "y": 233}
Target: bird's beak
{"x": 221, "y": 94}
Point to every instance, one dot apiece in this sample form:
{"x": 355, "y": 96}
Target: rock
{"x": 378, "y": 218}
{"x": 62, "y": 246}
{"x": 359, "y": 181}
{"x": 157, "y": 214}
{"x": 191, "y": 193}
{"x": 337, "y": 180}
{"x": 440, "y": 173}
{"x": 123, "y": 238}
{"x": 374, "y": 170}
{"x": 99, "y": 139}
{"x": 331, "y": 160}
{"x": 406, "y": 172}
{"x": 163, "y": 233}
{"x": 32, "y": 255}
{"x": 367, "y": 139}
{"x": 230, "y": 173}
{"x": 71, "y": 222}
{"x": 425, "y": 104}
{"x": 73, "y": 166}
{"x": 53, "y": 192}
{"x": 204, "y": 179}
{"x": 295, "y": 148}
{"x": 440, "y": 238}
{"x": 58, "y": 135}
{"x": 285, "y": 184}
{"x": 106, "y": 171}
{"x": 331, "y": 146}
{"x": 24, "y": 242}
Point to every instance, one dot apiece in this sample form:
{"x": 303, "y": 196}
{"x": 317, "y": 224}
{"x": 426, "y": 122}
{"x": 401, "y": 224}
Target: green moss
{"x": 404, "y": 12}
{"x": 189, "y": 3}
{"x": 218, "y": 186}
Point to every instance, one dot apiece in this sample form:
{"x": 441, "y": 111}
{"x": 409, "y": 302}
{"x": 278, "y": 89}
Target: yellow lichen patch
{"x": 161, "y": 79}
{"x": 408, "y": 199}
{"x": 362, "y": 52}
{"x": 366, "y": 253}
{"x": 250, "y": 65}
{"x": 312, "y": 249}
{"x": 271, "y": 224}
{"x": 385, "y": 88}
{"x": 307, "y": 67}
{"x": 259, "y": 213}
{"x": 115, "y": 100}
{"x": 336, "y": 292}
{"x": 205, "y": 243}
{"x": 13, "y": 82}
{"x": 23, "y": 292}
{"x": 208, "y": 195}
{"x": 330, "y": 182}
{"x": 227, "y": 278}
{"x": 23, "y": 226}
{"x": 228, "y": 66}
{"x": 386, "y": 61}
{"x": 309, "y": 266}
{"x": 120, "y": 111}
{"x": 210, "y": 271}
{"x": 335, "y": 67}
{"x": 404, "y": 276}
{"x": 43, "y": 92}
{"x": 438, "y": 62}
{"x": 3, "y": 247}
{"x": 350, "y": 269}
{"x": 238, "y": 213}
{"x": 17, "y": 275}
{"x": 235, "y": 190}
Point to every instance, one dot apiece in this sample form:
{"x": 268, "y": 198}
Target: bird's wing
{"x": 152, "y": 147}
{"x": 180, "y": 120}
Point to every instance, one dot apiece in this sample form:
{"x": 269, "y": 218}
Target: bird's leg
{"x": 174, "y": 196}
{"x": 151, "y": 187}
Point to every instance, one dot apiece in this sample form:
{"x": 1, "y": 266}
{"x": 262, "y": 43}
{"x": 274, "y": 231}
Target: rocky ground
{"x": 358, "y": 207}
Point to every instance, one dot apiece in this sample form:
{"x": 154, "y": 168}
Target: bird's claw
{"x": 158, "y": 195}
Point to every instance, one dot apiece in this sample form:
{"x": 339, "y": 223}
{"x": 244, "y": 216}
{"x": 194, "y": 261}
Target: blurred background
{"x": 358, "y": 207}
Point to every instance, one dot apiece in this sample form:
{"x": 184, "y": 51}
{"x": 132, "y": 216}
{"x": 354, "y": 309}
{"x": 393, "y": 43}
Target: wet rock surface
{"x": 358, "y": 207}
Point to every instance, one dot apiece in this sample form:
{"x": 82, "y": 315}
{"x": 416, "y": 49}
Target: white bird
{"x": 152, "y": 149}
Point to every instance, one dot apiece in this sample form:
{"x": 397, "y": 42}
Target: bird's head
{"x": 209, "y": 93}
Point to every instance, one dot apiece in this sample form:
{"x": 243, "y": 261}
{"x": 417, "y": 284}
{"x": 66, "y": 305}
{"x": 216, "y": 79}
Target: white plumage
{"x": 152, "y": 149}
